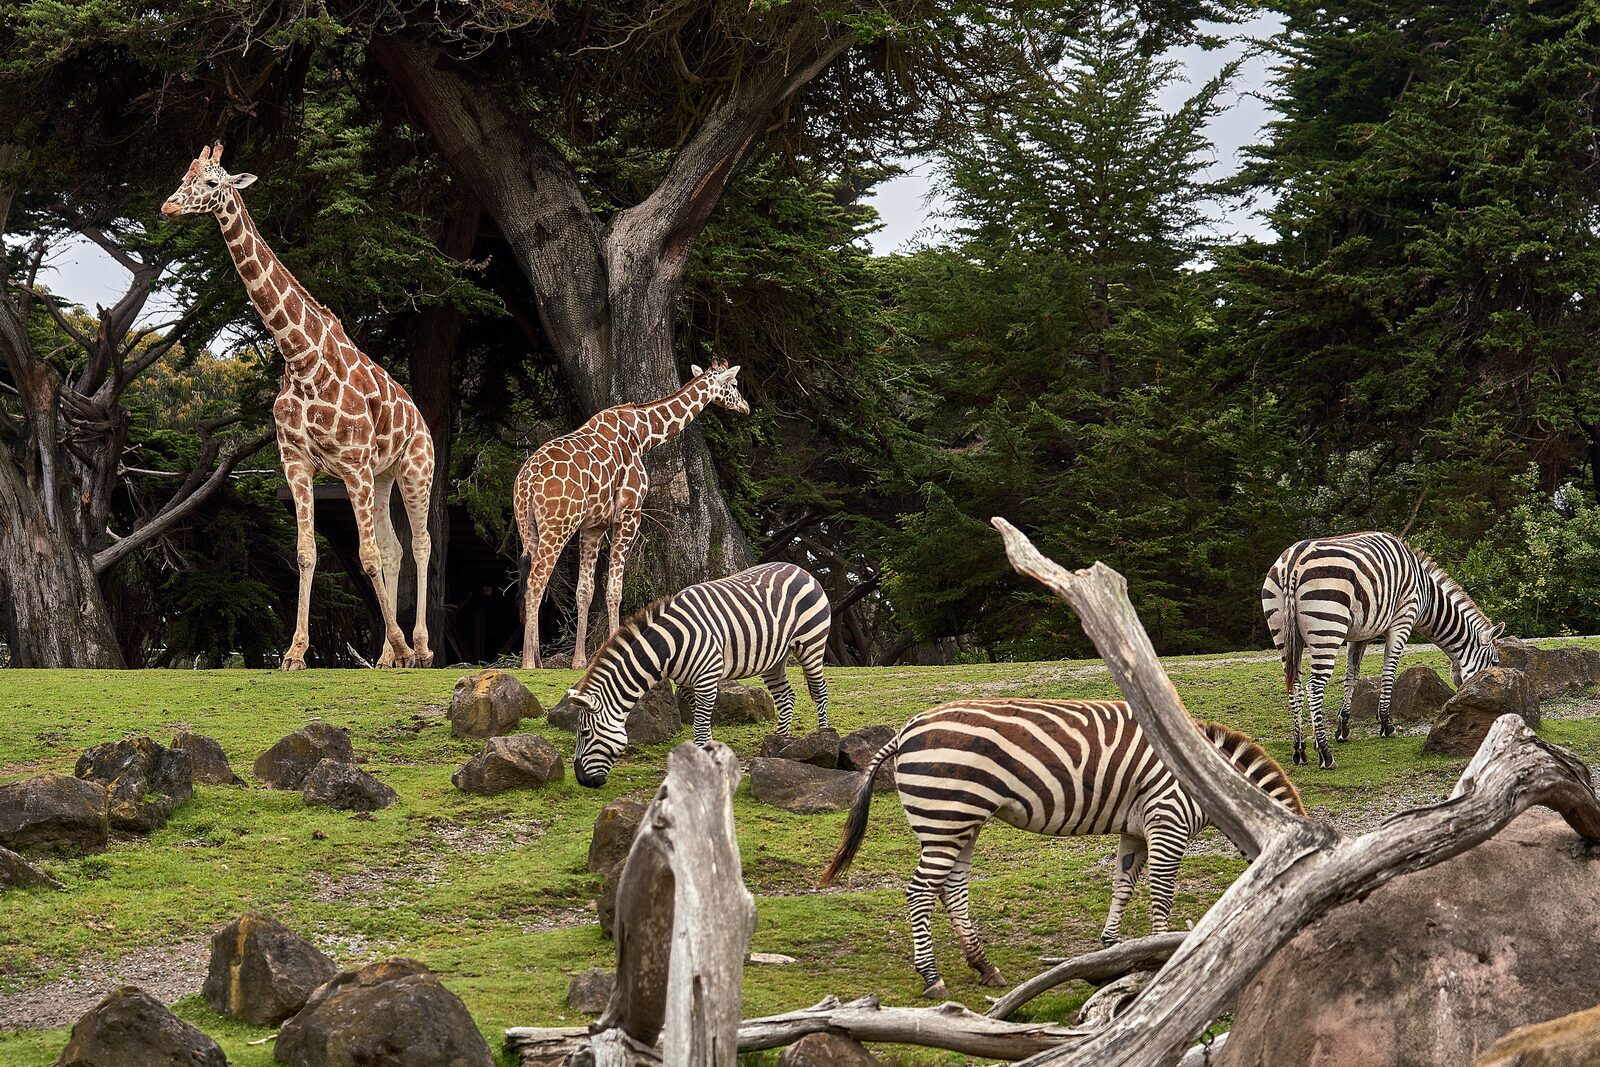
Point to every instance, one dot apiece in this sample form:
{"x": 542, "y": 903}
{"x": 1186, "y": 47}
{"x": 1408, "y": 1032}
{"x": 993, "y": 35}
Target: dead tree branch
{"x": 1135, "y": 954}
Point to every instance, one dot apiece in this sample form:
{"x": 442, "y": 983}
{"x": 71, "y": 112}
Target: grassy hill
{"x": 492, "y": 893}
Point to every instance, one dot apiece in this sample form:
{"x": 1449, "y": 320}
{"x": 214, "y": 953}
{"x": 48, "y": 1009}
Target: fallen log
{"x": 1102, "y": 965}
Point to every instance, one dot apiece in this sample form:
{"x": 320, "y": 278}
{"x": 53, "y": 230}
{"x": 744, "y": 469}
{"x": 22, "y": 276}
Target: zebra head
{"x": 1480, "y": 653}
{"x": 602, "y": 735}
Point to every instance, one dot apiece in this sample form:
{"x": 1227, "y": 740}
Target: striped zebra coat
{"x": 1351, "y": 591}
{"x": 1066, "y": 768}
{"x": 735, "y": 627}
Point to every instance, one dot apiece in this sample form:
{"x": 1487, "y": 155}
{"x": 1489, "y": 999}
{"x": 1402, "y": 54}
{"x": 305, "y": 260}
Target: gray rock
{"x": 655, "y": 718}
{"x": 18, "y": 873}
{"x": 130, "y": 1028}
{"x": 1429, "y": 969}
{"x": 614, "y": 830}
{"x": 286, "y": 764}
{"x": 144, "y": 781}
{"x": 262, "y": 972}
{"x": 1554, "y": 672}
{"x": 826, "y": 1050}
{"x": 820, "y": 748}
{"x": 801, "y": 787}
{"x": 1419, "y": 695}
{"x": 563, "y": 716}
{"x": 206, "y": 759}
{"x": 54, "y": 813}
{"x": 1515, "y": 653}
{"x": 736, "y": 705}
{"x": 1364, "y": 705}
{"x": 346, "y": 787}
{"x": 490, "y": 703}
{"x": 857, "y": 749}
{"x": 1485, "y": 697}
{"x": 390, "y": 1014}
{"x": 521, "y": 761}
{"x": 590, "y": 991}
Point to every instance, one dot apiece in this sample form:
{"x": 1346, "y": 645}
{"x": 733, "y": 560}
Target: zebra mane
{"x": 629, "y": 628}
{"x": 1451, "y": 589}
{"x": 1252, "y": 761}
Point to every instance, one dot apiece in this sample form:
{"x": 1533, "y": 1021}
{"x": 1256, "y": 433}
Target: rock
{"x": 801, "y": 787}
{"x": 563, "y": 716}
{"x": 346, "y": 787}
{"x": 774, "y": 958}
{"x": 130, "y": 1028}
{"x": 286, "y": 764}
{"x": 605, "y": 905}
{"x": 1570, "y": 1041}
{"x": 1468, "y": 715}
{"x": 262, "y": 972}
{"x": 655, "y": 718}
{"x": 145, "y": 781}
{"x": 614, "y": 830}
{"x": 820, "y": 748}
{"x": 736, "y": 705}
{"x": 54, "y": 813}
{"x": 490, "y": 703}
{"x": 206, "y": 759}
{"x": 1515, "y": 654}
{"x": 590, "y": 991}
{"x": 1429, "y": 969}
{"x": 1419, "y": 695}
{"x": 856, "y": 751}
{"x": 521, "y": 761}
{"x": 1364, "y": 705}
{"x": 826, "y": 1050}
{"x": 1564, "y": 672}
{"x": 18, "y": 873}
{"x": 390, "y": 1014}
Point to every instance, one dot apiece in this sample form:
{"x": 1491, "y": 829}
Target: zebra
{"x": 734, "y": 627}
{"x": 1352, "y": 590}
{"x": 1064, "y": 768}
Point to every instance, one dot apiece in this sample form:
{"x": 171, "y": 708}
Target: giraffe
{"x": 337, "y": 412}
{"x": 593, "y": 480}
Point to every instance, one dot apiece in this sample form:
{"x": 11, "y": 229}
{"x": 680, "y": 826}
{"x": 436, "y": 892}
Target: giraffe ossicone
{"x": 593, "y": 481}
{"x": 337, "y": 412}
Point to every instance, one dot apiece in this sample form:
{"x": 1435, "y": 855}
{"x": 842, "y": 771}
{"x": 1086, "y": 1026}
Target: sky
{"x": 84, "y": 274}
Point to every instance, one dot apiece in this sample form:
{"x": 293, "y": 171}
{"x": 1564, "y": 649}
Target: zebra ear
{"x": 573, "y": 696}
{"x": 1496, "y": 632}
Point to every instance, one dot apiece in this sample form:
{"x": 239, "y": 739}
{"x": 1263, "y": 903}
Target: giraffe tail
{"x": 524, "y": 566}
{"x": 855, "y": 827}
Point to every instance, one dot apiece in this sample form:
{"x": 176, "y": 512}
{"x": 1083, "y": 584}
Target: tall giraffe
{"x": 337, "y": 412}
{"x": 593, "y": 480}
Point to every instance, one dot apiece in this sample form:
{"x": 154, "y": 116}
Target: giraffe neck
{"x": 298, "y": 323}
{"x": 666, "y": 418}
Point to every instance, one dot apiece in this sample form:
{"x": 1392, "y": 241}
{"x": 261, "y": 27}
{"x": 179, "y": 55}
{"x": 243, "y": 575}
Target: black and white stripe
{"x": 734, "y": 627}
{"x": 1352, "y": 590}
{"x": 1065, "y": 768}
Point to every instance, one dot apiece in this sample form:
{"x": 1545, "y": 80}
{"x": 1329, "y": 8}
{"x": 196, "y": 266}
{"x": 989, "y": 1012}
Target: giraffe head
{"x": 724, "y": 382}
{"x": 205, "y": 187}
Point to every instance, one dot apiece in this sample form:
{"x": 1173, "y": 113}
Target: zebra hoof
{"x": 1325, "y": 760}
{"x": 1386, "y": 730}
{"x": 1110, "y": 939}
{"x": 991, "y": 976}
{"x": 1300, "y": 755}
{"x": 1342, "y": 734}
{"x": 936, "y": 990}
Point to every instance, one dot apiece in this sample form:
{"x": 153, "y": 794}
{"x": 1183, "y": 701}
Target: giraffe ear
{"x": 733, "y": 371}
{"x": 695, "y": 371}
{"x": 239, "y": 181}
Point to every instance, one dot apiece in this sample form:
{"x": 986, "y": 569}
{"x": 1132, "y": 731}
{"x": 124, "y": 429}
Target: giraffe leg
{"x": 541, "y": 562}
{"x": 622, "y": 535}
{"x": 415, "y": 489}
{"x": 299, "y": 477}
{"x": 958, "y": 907}
{"x": 1130, "y": 862}
{"x": 389, "y": 555}
{"x": 776, "y": 680}
{"x": 1352, "y": 671}
{"x": 588, "y": 556}
{"x": 363, "y": 500}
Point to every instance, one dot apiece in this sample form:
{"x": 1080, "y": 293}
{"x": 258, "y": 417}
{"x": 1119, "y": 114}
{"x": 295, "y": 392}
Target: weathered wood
{"x": 1303, "y": 868}
{"x": 1125, "y": 957}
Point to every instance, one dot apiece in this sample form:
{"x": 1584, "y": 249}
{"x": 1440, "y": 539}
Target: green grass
{"x": 492, "y": 893}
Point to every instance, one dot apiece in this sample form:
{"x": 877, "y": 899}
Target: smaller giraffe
{"x": 592, "y": 481}
{"x": 337, "y": 412}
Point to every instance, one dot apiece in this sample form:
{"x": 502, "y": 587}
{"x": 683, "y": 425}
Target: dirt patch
{"x": 166, "y": 973}
{"x": 426, "y": 865}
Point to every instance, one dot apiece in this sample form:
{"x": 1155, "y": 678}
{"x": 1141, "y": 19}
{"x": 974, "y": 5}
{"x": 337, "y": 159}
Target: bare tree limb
{"x": 1135, "y": 954}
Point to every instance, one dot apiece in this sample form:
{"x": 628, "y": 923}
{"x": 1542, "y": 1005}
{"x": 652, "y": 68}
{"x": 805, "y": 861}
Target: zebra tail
{"x": 855, "y": 828}
{"x": 1292, "y": 644}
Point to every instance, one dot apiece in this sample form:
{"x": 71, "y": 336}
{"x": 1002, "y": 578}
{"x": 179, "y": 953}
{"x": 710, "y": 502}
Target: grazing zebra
{"x": 734, "y": 627}
{"x": 1330, "y": 591}
{"x": 1066, "y": 768}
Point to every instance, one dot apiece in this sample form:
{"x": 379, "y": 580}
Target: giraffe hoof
{"x": 936, "y": 990}
{"x": 293, "y": 663}
{"x": 991, "y": 976}
{"x": 422, "y": 659}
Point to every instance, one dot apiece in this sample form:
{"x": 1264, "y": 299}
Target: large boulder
{"x": 521, "y": 761}
{"x": 590, "y": 991}
{"x": 206, "y": 759}
{"x": 1429, "y": 969}
{"x": 736, "y": 705}
{"x": 390, "y": 1014}
{"x": 820, "y": 748}
{"x": 1419, "y": 694}
{"x": 262, "y": 972}
{"x": 857, "y": 749}
{"x": 801, "y": 787}
{"x": 1570, "y": 1041}
{"x": 54, "y": 813}
{"x": 130, "y": 1028}
{"x": 18, "y": 873}
{"x": 286, "y": 764}
{"x": 347, "y": 787}
{"x": 614, "y": 831}
{"x": 1515, "y": 654}
{"x": 145, "y": 781}
{"x": 826, "y": 1050}
{"x": 1482, "y": 699}
{"x": 490, "y": 703}
{"x": 1554, "y": 672}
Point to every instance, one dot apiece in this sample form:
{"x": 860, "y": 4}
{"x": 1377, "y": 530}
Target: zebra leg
{"x": 1316, "y": 686}
{"x": 816, "y": 682}
{"x": 1396, "y": 644}
{"x": 1130, "y": 863}
{"x": 705, "y": 702}
{"x": 1166, "y": 846}
{"x": 1352, "y": 671}
{"x": 939, "y": 855}
{"x": 957, "y": 906}
{"x": 777, "y": 683}
{"x": 1297, "y": 705}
